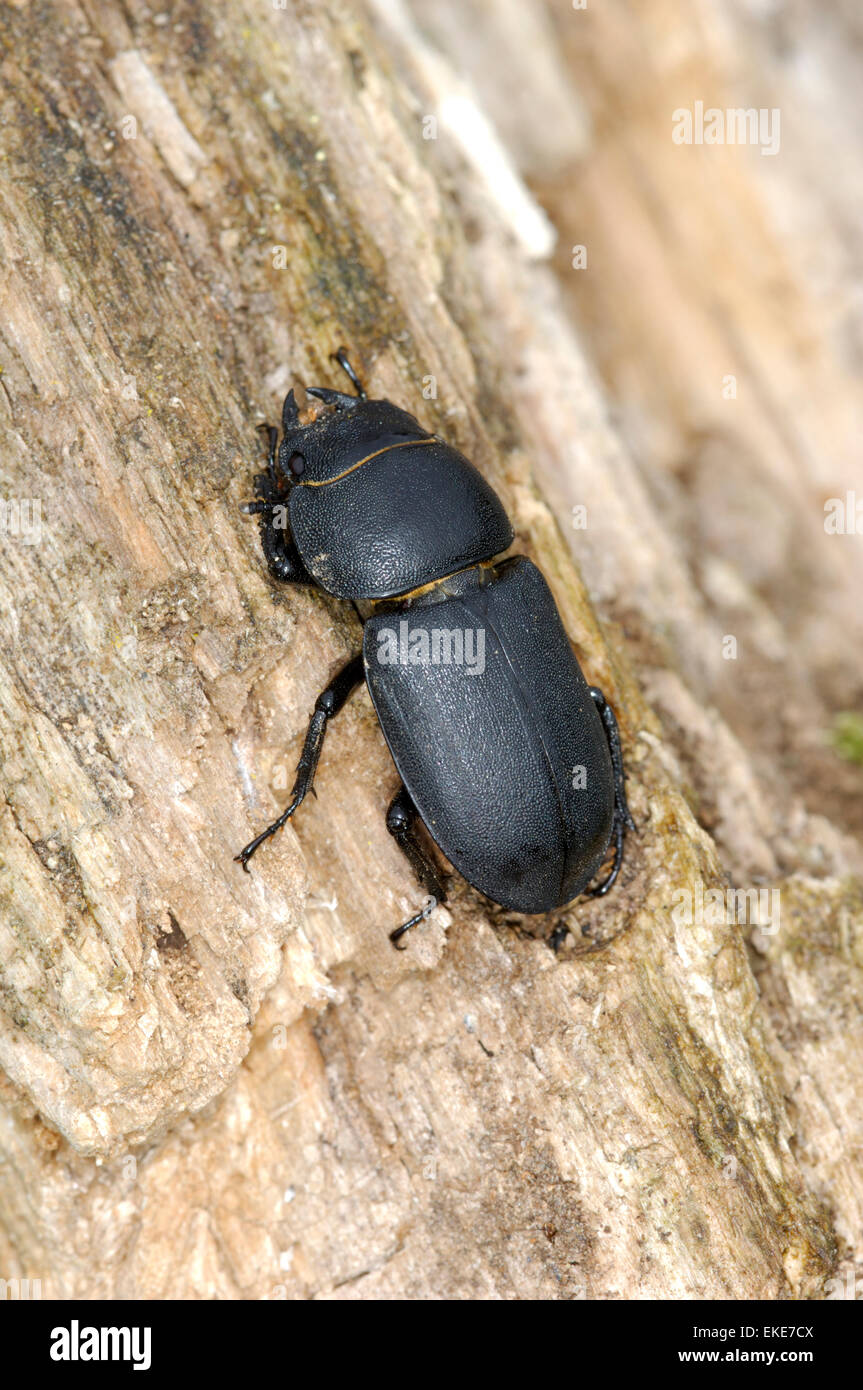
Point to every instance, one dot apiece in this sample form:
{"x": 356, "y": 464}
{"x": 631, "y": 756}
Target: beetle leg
{"x": 281, "y": 554}
{"x": 272, "y": 445}
{"x": 602, "y": 888}
{"x": 328, "y": 703}
{"x": 270, "y": 504}
{"x": 622, "y": 819}
{"x": 401, "y": 816}
{"x": 612, "y": 733}
{"x": 558, "y": 936}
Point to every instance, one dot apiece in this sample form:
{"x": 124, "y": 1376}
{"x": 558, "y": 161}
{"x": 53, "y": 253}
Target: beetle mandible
{"x": 507, "y": 756}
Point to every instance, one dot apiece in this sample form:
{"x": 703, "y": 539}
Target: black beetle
{"x": 509, "y": 758}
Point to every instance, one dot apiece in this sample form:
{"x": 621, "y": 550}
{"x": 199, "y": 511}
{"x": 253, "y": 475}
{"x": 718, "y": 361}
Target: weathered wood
{"x": 229, "y": 1086}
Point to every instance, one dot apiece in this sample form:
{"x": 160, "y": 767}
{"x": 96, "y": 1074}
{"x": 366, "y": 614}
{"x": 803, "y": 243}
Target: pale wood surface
{"x": 233, "y": 1087}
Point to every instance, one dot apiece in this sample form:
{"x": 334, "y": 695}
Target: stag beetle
{"x": 507, "y": 756}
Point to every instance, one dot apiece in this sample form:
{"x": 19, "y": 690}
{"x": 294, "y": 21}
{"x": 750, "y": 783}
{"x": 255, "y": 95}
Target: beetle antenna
{"x": 341, "y": 356}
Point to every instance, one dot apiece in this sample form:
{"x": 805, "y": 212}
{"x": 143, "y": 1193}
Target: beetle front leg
{"x": 401, "y": 816}
{"x": 328, "y": 703}
{"x": 280, "y": 552}
{"x": 622, "y": 819}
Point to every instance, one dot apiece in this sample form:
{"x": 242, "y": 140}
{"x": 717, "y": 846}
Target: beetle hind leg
{"x": 617, "y": 834}
{"x": 401, "y": 818}
{"x": 622, "y": 818}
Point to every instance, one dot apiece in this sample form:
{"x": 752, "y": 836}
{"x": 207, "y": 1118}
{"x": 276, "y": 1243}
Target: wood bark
{"x": 232, "y": 1087}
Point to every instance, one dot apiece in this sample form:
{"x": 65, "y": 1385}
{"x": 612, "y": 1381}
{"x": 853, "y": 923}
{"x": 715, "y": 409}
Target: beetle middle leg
{"x": 328, "y": 703}
{"x": 401, "y": 817}
{"x": 622, "y": 819}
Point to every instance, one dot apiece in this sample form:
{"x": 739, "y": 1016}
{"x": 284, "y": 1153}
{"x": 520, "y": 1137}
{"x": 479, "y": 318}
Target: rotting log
{"x": 221, "y": 1086}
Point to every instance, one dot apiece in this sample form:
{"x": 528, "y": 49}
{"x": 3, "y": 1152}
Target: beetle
{"x": 507, "y": 756}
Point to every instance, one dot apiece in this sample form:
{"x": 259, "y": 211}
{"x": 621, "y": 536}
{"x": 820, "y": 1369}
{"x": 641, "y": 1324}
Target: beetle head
{"x": 326, "y": 437}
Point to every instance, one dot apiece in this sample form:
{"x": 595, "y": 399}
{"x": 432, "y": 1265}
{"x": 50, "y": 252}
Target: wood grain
{"x": 229, "y": 1086}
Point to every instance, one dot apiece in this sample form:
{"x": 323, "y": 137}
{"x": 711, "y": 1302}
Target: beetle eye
{"x": 297, "y": 464}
